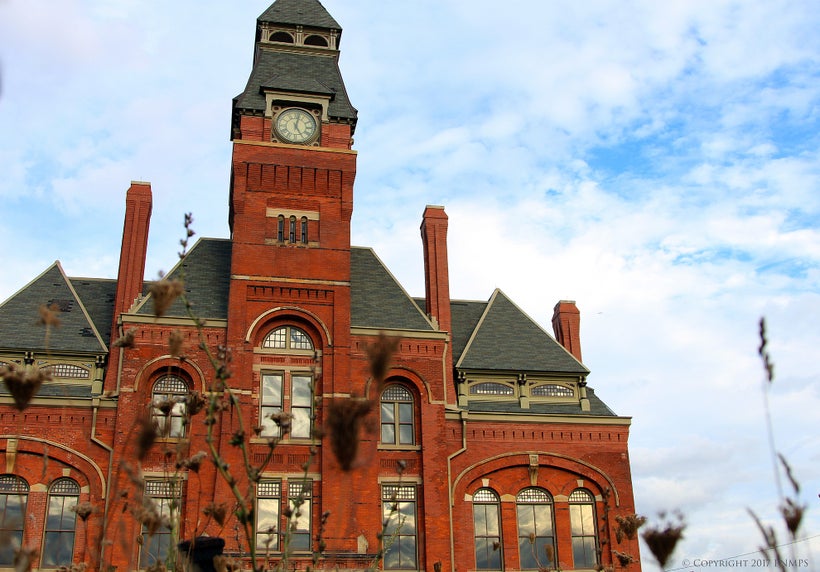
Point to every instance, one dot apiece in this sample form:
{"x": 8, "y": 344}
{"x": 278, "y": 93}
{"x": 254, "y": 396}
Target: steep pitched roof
{"x": 506, "y": 338}
{"x": 296, "y": 72}
{"x": 300, "y": 12}
{"x": 377, "y": 300}
{"x": 206, "y": 272}
{"x": 19, "y": 317}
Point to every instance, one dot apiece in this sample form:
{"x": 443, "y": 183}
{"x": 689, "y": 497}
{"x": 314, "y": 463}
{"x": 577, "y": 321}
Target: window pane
{"x": 405, "y": 412}
{"x": 388, "y": 415}
{"x": 301, "y": 391}
{"x": 267, "y": 523}
{"x": 388, "y": 434}
{"x": 300, "y": 423}
{"x": 406, "y": 434}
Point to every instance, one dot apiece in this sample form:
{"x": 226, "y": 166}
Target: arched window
{"x": 490, "y": 388}
{"x": 58, "y": 543}
{"x": 292, "y": 230}
{"x": 13, "y": 497}
{"x": 280, "y": 229}
{"x": 288, "y": 338}
{"x": 281, "y": 37}
{"x": 551, "y": 390}
{"x": 584, "y": 530}
{"x": 304, "y": 224}
{"x": 278, "y": 386}
{"x": 397, "y": 416}
{"x": 487, "y": 527}
{"x": 536, "y": 532}
{"x": 315, "y": 40}
{"x": 168, "y": 406}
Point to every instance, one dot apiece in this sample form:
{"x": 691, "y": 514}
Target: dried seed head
{"x": 146, "y": 436}
{"x": 344, "y": 420}
{"x": 195, "y": 403}
{"x": 663, "y": 538}
{"x": 175, "y": 340}
{"x": 49, "y": 315}
{"x": 628, "y": 526}
{"x": 127, "y": 339}
{"x": 380, "y": 355}
{"x": 218, "y": 512}
{"x": 793, "y": 515}
{"x": 164, "y": 292}
{"x": 624, "y": 558}
{"x": 194, "y": 463}
{"x": 23, "y": 383}
{"x": 83, "y": 510}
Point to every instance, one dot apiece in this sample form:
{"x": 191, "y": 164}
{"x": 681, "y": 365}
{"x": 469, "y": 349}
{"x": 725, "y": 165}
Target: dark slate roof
{"x": 596, "y": 407}
{"x": 465, "y": 316}
{"x": 508, "y": 339}
{"x": 19, "y": 316}
{"x": 98, "y": 296}
{"x": 296, "y": 72}
{"x": 206, "y": 272}
{"x": 377, "y": 300}
{"x": 299, "y": 12}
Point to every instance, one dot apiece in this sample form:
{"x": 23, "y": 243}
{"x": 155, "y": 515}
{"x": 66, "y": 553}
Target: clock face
{"x": 295, "y": 125}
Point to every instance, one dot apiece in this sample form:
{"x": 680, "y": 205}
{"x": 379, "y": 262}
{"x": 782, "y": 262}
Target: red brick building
{"x": 482, "y": 449}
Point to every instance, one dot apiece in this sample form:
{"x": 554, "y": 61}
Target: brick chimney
{"x": 566, "y": 322}
{"x": 134, "y": 247}
{"x": 436, "y": 274}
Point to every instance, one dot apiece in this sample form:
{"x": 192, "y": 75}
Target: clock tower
{"x": 291, "y": 195}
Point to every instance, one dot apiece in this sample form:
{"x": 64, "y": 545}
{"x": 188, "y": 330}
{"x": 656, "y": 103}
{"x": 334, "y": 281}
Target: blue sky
{"x": 658, "y": 162}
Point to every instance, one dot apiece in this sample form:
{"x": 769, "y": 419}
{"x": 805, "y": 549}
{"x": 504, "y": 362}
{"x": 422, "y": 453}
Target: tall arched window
{"x": 536, "y": 532}
{"x": 13, "y": 497}
{"x": 304, "y": 224}
{"x": 168, "y": 406}
{"x": 280, "y": 229}
{"x": 584, "y": 531}
{"x": 58, "y": 543}
{"x": 487, "y": 528}
{"x": 397, "y": 416}
{"x": 291, "y": 385}
{"x": 292, "y": 230}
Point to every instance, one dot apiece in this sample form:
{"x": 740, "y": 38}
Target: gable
{"x": 506, "y": 338}
{"x": 19, "y": 317}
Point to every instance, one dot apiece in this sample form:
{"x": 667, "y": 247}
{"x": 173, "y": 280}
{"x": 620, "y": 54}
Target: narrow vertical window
{"x": 536, "y": 536}
{"x": 168, "y": 406}
{"x": 584, "y": 531}
{"x": 397, "y": 427}
{"x": 487, "y": 524}
{"x": 280, "y": 229}
{"x": 162, "y": 499}
{"x": 301, "y": 405}
{"x": 292, "y": 233}
{"x": 268, "y": 499}
{"x": 58, "y": 542}
{"x": 13, "y": 497}
{"x": 400, "y": 533}
{"x": 304, "y": 236}
{"x": 299, "y": 501}
{"x": 271, "y": 403}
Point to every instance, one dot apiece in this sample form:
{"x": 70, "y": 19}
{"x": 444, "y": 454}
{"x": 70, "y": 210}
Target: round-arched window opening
{"x": 281, "y": 37}
{"x": 315, "y": 40}
{"x": 288, "y": 338}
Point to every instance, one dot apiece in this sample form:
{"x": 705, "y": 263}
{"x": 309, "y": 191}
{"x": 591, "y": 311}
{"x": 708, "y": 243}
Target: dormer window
{"x": 314, "y": 40}
{"x": 280, "y": 36}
